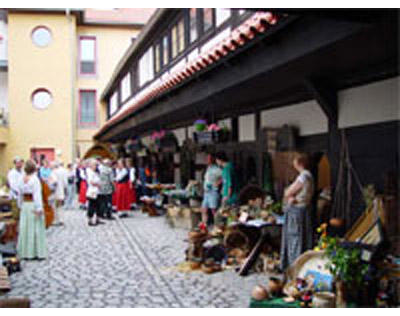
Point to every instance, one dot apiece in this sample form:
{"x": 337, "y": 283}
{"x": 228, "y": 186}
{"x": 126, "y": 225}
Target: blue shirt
{"x": 44, "y": 173}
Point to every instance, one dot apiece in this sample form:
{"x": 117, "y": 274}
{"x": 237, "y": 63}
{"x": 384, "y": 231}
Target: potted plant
{"x": 347, "y": 269}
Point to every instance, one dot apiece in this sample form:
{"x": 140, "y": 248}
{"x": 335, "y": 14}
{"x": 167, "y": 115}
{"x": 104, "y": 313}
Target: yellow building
{"x": 53, "y": 66}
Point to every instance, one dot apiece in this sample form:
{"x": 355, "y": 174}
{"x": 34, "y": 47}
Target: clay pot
{"x": 336, "y": 222}
{"x": 275, "y": 286}
{"x": 194, "y": 265}
{"x": 324, "y": 300}
{"x": 259, "y": 293}
{"x": 207, "y": 269}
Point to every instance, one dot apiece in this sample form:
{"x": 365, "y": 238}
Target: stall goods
{"x": 5, "y": 284}
{"x": 259, "y": 293}
{"x": 324, "y": 300}
{"x": 15, "y": 303}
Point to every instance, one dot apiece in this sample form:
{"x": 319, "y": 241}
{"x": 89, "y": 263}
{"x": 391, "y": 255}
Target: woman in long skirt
{"x": 122, "y": 194}
{"x": 83, "y": 186}
{"x": 32, "y": 231}
{"x": 297, "y": 230}
{"x": 132, "y": 182}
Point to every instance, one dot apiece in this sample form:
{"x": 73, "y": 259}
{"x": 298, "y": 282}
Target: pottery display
{"x": 259, "y": 293}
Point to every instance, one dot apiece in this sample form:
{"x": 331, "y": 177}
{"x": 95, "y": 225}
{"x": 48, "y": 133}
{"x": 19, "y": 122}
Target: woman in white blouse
{"x": 32, "y": 232}
{"x": 93, "y": 182}
{"x": 297, "y": 230}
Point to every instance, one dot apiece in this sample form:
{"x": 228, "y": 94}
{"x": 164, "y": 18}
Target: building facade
{"x": 53, "y": 66}
{"x": 331, "y": 75}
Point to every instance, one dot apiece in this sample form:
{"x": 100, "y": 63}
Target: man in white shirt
{"x": 14, "y": 177}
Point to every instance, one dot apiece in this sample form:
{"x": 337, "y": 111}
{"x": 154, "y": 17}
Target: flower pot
{"x": 340, "y": 294}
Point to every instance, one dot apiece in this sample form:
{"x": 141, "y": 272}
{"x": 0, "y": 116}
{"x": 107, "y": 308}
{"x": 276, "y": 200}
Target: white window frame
{"x": 126, "y": 87}
{"x": 113, "y": 104}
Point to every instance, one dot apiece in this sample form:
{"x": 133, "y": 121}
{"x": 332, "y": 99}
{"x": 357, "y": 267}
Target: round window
{"x": 41, "y": 36}
{"x": 41, "y": 99}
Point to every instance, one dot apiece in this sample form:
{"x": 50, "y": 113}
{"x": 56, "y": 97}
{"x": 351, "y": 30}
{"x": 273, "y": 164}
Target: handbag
{"x": 91, "y": 192}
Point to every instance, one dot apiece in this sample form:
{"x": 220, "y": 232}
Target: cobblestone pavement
{"x": 129, "y": 262}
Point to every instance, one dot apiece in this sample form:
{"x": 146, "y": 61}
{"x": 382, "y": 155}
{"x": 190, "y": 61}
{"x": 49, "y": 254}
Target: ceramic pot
{"x": 259, "y": 293}
{"x": 336, "y": 222}
{"x": 275, "y": 286}
{"x": 324, "y": 300}
{"x": 194, "y": 265}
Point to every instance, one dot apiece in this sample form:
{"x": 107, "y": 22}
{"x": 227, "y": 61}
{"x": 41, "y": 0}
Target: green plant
{"x": 276, "y": 208}
{"x": 345, "y": 264}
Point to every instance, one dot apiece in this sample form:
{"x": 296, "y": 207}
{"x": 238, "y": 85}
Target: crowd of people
{"x": 100, "y": 187}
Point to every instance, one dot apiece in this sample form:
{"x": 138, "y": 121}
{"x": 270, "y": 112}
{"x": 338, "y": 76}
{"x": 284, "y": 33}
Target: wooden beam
{"x": 326, "y": 97}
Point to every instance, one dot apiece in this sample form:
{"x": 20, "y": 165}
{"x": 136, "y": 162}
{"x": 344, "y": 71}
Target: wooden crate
{"x": 188, "y": 218}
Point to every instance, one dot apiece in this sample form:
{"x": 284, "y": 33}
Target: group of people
{"x": 220, "y": 185}
{"x": 101, "y": 186}
{"x": 221, "y": 189}
{"x": 105, "y": 186}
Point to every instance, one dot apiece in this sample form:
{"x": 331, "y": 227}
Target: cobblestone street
{"x": 129, "y": 262}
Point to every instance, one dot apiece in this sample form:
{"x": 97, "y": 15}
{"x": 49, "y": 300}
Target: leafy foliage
{"x": 345, "y": 264}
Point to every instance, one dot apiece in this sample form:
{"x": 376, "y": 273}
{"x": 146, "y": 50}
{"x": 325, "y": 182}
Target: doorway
{"x": 39, "y": 154}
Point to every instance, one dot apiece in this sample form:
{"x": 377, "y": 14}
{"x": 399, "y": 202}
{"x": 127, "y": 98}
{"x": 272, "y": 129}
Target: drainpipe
{"x": 72, "y": 82}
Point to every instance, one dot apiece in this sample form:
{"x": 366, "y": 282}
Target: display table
{"x": 273, "y": 303}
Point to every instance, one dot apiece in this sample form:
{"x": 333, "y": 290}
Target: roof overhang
{"x": 312, "y": 47}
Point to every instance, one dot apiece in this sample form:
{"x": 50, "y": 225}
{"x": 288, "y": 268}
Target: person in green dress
{"x": 32, "y": 231}
{"x": 229, "y": 180}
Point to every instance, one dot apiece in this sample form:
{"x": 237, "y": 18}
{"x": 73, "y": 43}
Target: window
{"x": 126, "y": 87}
{"x": 193, "y": 24}
{"x": 207, "y": 19}
{"x": 87, "y": 108}
{"x": 146, "y": 67}
{"x": 41, "y": 36}
{"x": 157, "y": 57}
{"x": 41, "y": 99}
{"x": 113, "y": 105}
{"x": 221, "y": 15}
{"x": 178, "y": 38}
{"x": 174, "y": 41}
{"x": 87, "y": 54}
{"x": 165, "y": 50}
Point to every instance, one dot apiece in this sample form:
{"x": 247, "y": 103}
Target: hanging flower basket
{"x": 200, "y": 125}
